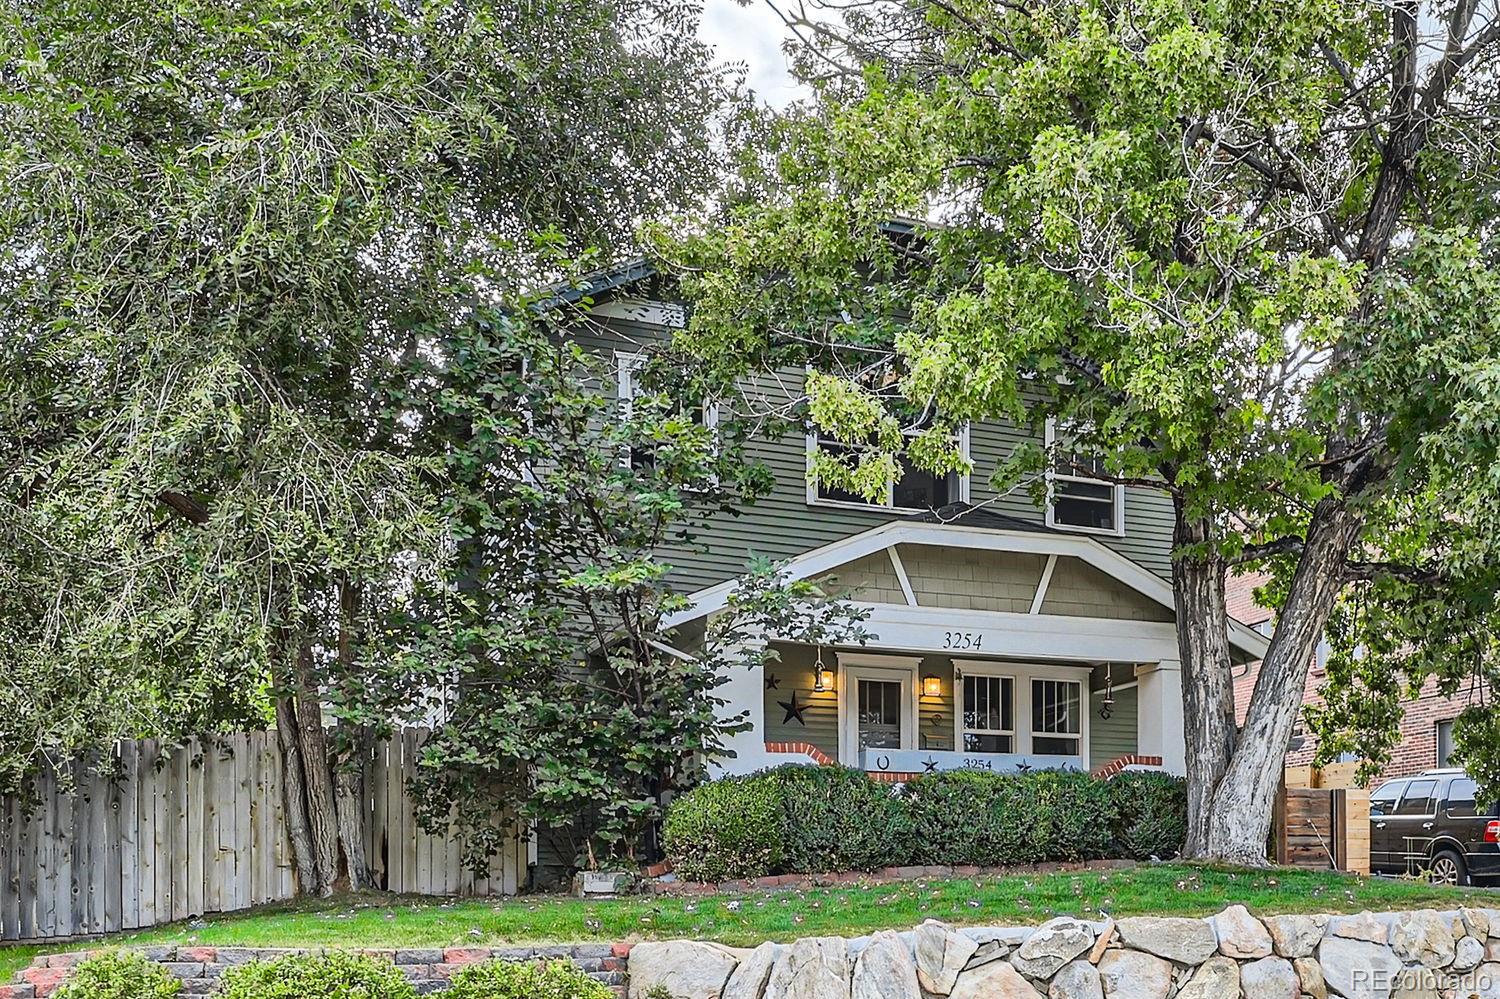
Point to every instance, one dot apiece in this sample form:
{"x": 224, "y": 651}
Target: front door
{"x": 879, "y": 711}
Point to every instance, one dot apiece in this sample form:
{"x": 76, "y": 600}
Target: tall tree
{"x": 1242, "y": 250}
{"x": 226, "y": 229}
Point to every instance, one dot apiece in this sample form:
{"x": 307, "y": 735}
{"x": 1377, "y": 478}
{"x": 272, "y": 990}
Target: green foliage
{"x": 975, "y": 817}
{"x": 839, "y": 819}
{"x": 121, "y": 974}
{"x": 1150, "y": 814}
{"x": 512, "y": 980}
{"x": 332, "y": 974}
{"x": 1243, "y": 250}
{"x": 727, "y": 829}
{"x": 836, "y": 819}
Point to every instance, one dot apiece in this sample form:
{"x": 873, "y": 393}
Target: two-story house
{"x": 1002, "y": 635}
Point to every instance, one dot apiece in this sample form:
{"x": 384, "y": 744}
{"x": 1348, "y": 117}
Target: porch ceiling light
{"x": 932, "y": 686}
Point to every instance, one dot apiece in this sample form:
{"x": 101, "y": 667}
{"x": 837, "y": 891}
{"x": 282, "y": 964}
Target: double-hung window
{"x": 913, "y": 488}
{"x": 1080, "y": 497}
{"x": 629, "y": 367}
{"x": 1056, "y": 717}
{"x": 989, "y": 713}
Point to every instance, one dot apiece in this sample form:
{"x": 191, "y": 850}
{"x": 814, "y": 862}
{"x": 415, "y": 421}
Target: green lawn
{"x": 752, "y": 916}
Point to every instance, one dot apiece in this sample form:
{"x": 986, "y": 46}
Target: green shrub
{"x": 838, "y": 819}
{"x": 119, "y": 974}
{"x": 510, "y": 980}
{"x": 1150, "y": 814}
{"x": 994, "y": 819}
{"x": 726, "y": 829}
{"x": 330, "y": 975}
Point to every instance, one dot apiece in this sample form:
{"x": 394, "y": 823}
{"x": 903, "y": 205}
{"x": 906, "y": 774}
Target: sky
{"x": 751, "y": 34}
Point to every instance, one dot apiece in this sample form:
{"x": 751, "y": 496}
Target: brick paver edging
{"x": 428, "y": 968}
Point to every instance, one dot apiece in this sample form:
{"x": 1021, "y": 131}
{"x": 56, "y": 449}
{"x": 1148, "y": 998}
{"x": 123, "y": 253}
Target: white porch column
{"x": 1159, "y": 728}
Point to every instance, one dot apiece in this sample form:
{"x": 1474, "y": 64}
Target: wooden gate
{"x": 1323, "y": 828}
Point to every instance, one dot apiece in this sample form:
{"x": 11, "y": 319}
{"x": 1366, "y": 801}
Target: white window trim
{"x": 1052, "y": 476}
{"x": 1022, "y": 674}
{"x": 960, "y": 729}
{"x": 627, "y": 363}
{"x": 852, "y": 667}
{"x": 813, "y": 499}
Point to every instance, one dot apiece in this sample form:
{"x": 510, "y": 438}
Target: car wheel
{"x": 1447, "y": 868}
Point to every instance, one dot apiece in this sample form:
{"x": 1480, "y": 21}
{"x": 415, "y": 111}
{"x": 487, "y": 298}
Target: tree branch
{"x": 1289, "y": 545}
{"x": 184, "y": 505}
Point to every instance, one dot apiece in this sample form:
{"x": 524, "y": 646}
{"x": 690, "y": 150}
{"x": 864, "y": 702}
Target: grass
{"x": 752, "y": 916}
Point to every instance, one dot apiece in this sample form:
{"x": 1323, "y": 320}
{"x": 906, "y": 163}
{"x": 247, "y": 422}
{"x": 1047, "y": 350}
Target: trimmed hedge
{"x": 1151, "y": 814}
{"x": 119, "y": 974}
{"x": 806, "y": 820}
{"x": 329, "y": 975}
{"x": 726, "y": 829}
{"x": 508, "y": 980}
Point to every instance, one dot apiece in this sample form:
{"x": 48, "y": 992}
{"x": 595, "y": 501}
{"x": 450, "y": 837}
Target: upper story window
{"x": 1079, "y": 498}
{"x": 628, "y": 383}
{"x": 913, "y": 489}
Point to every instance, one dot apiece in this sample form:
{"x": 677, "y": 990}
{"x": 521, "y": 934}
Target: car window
{"x": 1418, "y": 798}
{"x": 1383, "y": 801}
{"x": 1461, "y": 794}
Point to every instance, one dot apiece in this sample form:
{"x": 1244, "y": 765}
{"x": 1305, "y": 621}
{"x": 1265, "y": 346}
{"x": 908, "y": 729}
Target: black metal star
{"x": 930, "y": 764}
{"x": 771, "y": 682}
{"x": 793, "y": 710}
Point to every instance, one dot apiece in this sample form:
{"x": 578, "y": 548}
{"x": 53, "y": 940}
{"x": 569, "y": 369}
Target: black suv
{"x": 1431, "y": 824}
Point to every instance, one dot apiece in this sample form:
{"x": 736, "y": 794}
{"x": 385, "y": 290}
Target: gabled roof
{"x": 1017, "y": 536}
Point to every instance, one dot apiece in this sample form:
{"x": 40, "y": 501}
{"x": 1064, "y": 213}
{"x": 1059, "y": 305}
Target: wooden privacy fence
{"x": 181, "y": 831}
{"x": 1322, "y": 828}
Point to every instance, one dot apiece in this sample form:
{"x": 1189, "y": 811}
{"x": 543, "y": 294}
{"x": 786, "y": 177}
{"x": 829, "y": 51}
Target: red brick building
{"x": 1426, "y": 731}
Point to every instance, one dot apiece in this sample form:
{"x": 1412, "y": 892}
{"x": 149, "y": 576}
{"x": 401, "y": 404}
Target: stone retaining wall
{"x": 1425, "y": 954}
{"x": 429, "y": 969}
{"x": 1412, "y": 955}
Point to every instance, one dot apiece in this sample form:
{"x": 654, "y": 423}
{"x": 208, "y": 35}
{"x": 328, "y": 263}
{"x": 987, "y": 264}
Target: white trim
{"x": 1042, "y": 584}
{"x": 854, "y": 667}
{"x": 1118, "y": 531}
{"x": 642, "y": 310}
{"x": 626, "y": 365}
{"x": 901, "y": 577}
{"x": 712, "y": 599}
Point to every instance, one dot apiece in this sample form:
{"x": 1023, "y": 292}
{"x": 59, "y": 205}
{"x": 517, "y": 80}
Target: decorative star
{"x": 793, "y": 710}
{"x": 772, "y": 683}
{"x": 930, "y": 764}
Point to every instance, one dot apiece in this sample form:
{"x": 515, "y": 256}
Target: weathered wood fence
{"x": 182, "y": 831}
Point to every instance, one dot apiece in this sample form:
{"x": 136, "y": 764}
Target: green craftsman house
{"x": 1003, "y": 635}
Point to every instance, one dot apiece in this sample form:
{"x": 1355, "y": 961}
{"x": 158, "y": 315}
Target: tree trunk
{"x": 310, "y": 880}
{"x": 1239, "y": 814}
{"x": 1207, "y": 683}
{"x": 316, "y": 773}
{"x": 348, "y": 771}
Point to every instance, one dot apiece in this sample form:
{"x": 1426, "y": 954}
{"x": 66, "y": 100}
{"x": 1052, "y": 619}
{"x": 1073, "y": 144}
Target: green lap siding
{"x": 1115, "y": 736}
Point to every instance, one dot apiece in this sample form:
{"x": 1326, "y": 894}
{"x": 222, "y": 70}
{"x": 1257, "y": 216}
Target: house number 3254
{"x": 963, "y": 639}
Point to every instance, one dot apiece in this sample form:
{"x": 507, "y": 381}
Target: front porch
{"x": 999, "y": 650}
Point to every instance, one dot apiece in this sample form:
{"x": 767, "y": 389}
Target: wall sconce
{"x": 932, "y": 686}
{"x": 822, "y": 676}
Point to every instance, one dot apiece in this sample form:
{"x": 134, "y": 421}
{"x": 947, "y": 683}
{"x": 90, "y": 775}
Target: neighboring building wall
{"x": 1418, "y": 748}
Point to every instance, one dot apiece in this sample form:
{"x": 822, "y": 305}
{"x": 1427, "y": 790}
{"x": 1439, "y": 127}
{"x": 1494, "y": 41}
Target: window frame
{"x": 1082, "y": 713}
{"x": 1022, "y": 674}
{"x": 1053, "y": 477}
{"x": 1440, "y": 760}
{"x": 961, "y": 709}
{"x": 627, "y": 363}
{"x": 960, "y": 435}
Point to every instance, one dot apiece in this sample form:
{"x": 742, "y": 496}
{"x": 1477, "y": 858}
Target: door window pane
{"x": 1418, "y": 798}
{"x": 989, "y": 714}
{"x": 1383, "y": 801}
{"x": 879, "y": 714}
{"x": 1056, "y": 716}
